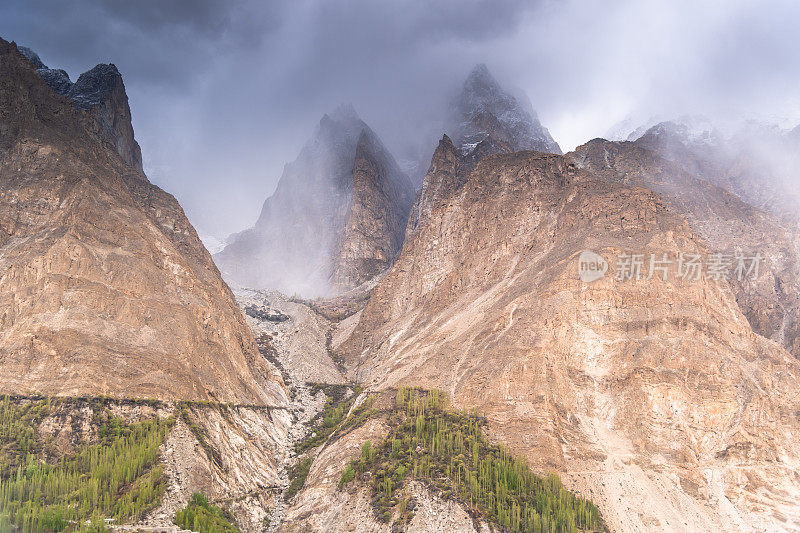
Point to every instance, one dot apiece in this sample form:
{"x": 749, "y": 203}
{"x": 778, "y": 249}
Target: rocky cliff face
{"x": 336, "y": 220}
{"x": 654, "y": 397}
{"x": 105, "y": 287}
{"x": 484, "y": 113}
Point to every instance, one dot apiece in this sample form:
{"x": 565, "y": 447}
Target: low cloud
{"x": 223, "y": 95}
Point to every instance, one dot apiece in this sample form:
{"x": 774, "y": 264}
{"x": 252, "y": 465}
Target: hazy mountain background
{"x": 223, "y": 96}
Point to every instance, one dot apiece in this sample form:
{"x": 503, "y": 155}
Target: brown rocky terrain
{"x": 298, "y": 335}
{"x": 653, "y": 397}
{"x": 323, "y": 506}
{"x": 105, "y": 288}
{"x": 246, "y": 478}
{"x": 336, "y": 220}
{"x": 231, "y": 454}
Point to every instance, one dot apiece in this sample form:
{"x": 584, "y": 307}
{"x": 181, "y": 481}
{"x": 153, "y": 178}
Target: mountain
{"x": 695, "y": 128}
{"x": 478, "y": 111}
{"x": 484, "y": 120}
{"x": 336, "y": 220}
{"x": 106, "y": 288}
{"x": 485, "y": 113}
{"x": 101, "y": 92}
{"x": 738, "y": 192}
{"x": 726, "y": 223}
{"x": 654, "y": 397}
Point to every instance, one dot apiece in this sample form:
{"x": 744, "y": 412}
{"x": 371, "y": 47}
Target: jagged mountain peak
{"x": 336, "y": 219}
{"x": 103, "y": 269}
{"x": 481, "y": 93}
{"x": 92, "y": 88}
{"x": 94, "y": 85}
{"x": 480, "y": 82}
{"x": 340, "y": 129}
{"x": 483, "y": 111}
{"x": 100, "y": 91}
{"x": 480, "y": 70}
{"x": 57, "y": 79}
{"x": 344, "y": 112}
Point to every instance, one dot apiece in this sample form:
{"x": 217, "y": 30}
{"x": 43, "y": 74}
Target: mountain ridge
{"x": 106, "y": 288}
{"x": 589, "y": 380}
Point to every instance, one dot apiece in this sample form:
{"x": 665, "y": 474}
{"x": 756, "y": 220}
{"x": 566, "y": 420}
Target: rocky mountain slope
{"x": 336, "y": 219}
{"x": 654, "y": 397}
{"x": 105, "y": 287}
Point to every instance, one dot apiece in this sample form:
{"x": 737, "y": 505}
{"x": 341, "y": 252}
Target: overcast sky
{"x": 224, "y": 95}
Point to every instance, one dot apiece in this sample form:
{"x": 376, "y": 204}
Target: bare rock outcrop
{"x": 230, "y": 456}
{"x": 100, "y": 91}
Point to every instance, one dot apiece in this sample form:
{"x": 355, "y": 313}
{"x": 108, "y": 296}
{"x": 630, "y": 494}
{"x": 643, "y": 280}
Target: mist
{"x": 224, "y": 95}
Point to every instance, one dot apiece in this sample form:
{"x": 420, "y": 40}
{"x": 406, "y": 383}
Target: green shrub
{"x": 298, "y": 476}
{"x": 330, "y": 419}
{"x": 202, "y": 517}
{"x": 348, "y": 474}
{"x": 449, "y": 451}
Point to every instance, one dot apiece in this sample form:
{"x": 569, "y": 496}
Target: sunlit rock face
{"x": 336, "y": 219}
{"x": 654, "y": 397}
{"x": 105, "y": 287}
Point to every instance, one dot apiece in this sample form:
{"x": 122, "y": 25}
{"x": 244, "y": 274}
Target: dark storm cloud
{"x": 208, "y": 18}
{"x": 224, "y": 94}
{"x": 154, "y": 42}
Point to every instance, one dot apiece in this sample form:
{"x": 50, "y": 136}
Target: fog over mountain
{"x": 223, "y": 96}
{"x": 364, "y": 266}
